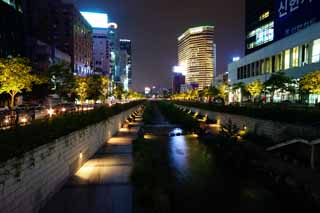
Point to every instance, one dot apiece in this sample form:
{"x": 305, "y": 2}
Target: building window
{"x": 263, "y": 34}
{"x": 316, "y": 51}
{"x": 258, "y": 68}
{"x": 304, "y": 54}
{"x": 287, "y": 59}
{"x": 279, "y": 62}
{"x": 295, "y": 57}
{"x": 268, "y": 65}
{"x": 252, "y": 70}
{"x": 264, "y": 16}
{"x": 263, "y": 67}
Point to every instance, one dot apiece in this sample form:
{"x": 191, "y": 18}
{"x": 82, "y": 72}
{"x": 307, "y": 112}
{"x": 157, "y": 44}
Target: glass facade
{"x": 261, "y": 35}
{"x": 290, "y": 58}
{"x": 316, "y": 51}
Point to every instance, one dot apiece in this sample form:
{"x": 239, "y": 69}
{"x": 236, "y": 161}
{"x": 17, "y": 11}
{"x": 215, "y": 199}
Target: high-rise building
{"x": 197, "y": 52}
{"x": 101, "y": 53}
{"x": 12, "y": 28}
{"x": 114, "y": 48}
{"x": 178, "y": 80}
{"x": 259, "y": 23}
{"x": 294, "y": 51}
{"x": 60, "y": 24}
{"x": 126, "y": 64}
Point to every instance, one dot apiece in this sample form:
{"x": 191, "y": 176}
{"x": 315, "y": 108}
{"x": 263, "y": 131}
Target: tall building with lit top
{"x": 197, "y": 52}
{"x": 126, "y": 64}
{"x": 12, "y": 28}
{"x": 101, "y": 54}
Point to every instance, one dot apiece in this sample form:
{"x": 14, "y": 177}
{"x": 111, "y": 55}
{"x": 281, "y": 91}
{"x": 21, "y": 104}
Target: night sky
{"x": 154, "y": 25}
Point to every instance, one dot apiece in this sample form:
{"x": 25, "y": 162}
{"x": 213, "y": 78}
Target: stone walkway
{"x": 102, "y": 185}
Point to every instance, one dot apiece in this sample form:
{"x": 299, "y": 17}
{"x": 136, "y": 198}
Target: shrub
{"x": 17, "y": 141}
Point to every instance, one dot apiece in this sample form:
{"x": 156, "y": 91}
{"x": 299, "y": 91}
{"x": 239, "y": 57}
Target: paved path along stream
{"x": 102, "y": 184}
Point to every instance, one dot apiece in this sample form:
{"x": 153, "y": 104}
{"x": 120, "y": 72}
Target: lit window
{"x": 263, "y": 34}
{"x": 316, "y": 51}
{"x": 279, "y": 62}
{"x": 287, "y": 59}
{"x": 295, "y": 57}
{"x": 264, "y": 16}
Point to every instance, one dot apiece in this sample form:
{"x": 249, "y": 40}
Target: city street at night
{"x": 141, "y": 106}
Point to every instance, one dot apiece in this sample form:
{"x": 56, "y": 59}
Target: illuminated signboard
{"x": 180, "y": 69}
{"x": 96, "y": 20}
{"x": 294, "y": 15}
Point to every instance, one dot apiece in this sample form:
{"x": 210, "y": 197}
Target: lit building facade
{"x": 295, "y": 49}
{"x": 12, "y": 28}
{"x": 126, "y": 64}
{"x": 101, "y": 53}
{"x": 114, "y": 48}
{"x": 60, "y": 24}
{"x": 197, "y": 52}
{"x": 295, "y": 55}
{"x": 178, "y": 80}
{"x": 259, "y": 23}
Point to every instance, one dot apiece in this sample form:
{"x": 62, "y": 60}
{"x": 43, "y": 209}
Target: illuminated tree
{"x": 255, "y": 88}
{"x": 118, "y": 92}
{"x": 94, "y": 87}
{"x": 61, "y": 79}
{"x": 277, "y": 82}
{"x": 311, "y": 83}
{"x": 82, "y": 88}
{"x": 223, "y": 92}
{"x": 104, "y": 89}
{"x": 15, "y": 76}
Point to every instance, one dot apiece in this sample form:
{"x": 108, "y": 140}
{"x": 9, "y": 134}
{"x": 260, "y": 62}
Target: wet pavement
{"x": 102, "y": 185}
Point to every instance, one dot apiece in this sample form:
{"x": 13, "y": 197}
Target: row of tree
{"x": 278, "y": 82}
{"x": 18, "y": 77}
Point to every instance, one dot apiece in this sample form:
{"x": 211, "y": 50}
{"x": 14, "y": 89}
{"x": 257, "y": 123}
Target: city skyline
{"x": 154, "y": 45}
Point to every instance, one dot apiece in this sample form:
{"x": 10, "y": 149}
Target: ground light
{"x": 50, "y": 112}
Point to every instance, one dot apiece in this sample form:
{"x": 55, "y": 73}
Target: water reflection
{"x": 198, "y": 179}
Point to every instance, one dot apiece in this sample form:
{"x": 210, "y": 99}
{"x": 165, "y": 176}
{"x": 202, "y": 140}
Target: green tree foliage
{"x": 277, "y": 81}
{"x": 311, "y": 83}
{"x": 223, "y": 92}
{"x": 94, "y": 87}
{"x": 82, "y": 88}
{"x": 104, "y": 89}
{"x": 255, "y": 88}
{"x": 61, "y": 79}
{"x": 118, "y": 92}
{"x": 15, "y": 76}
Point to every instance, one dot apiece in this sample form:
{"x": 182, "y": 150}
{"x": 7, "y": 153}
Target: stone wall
{"x": 276, "y": 131}
{"x": 27, "y": 183}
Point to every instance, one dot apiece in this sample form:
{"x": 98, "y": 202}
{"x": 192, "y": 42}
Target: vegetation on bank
{"x": 275, "y": 113}
{"x": 152, "y": 177}
{"x": 17, "y": 141}
{"x": 176, "y": 116}
{"x": 148, "y": 114}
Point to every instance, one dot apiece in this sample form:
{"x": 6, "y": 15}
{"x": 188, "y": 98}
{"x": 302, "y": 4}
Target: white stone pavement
{"x": 102, "y": 185}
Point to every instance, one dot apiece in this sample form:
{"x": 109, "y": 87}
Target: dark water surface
{"x": 202, "y": 186}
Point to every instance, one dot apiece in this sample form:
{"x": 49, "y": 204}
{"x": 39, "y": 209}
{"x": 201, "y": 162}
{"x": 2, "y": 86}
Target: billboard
{"x": 294, "y": 15}
{"x": 96, "y": 20}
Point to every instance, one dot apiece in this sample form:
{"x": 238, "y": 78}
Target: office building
{"x": 12, "y": 28}
{"x": 259, "y": 24}
{"x": 126, "y": 64}
{"x": 197, "y": 52}
{"x": 114, "y": 48}
{"x": 178, "y": 80}
{"x": 101, "y": 52}
{"x": 60, "y": 24}
{"x": 296, "y": 51}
